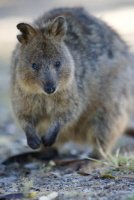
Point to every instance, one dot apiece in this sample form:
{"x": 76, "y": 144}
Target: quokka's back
{"x": 72, "y": 74}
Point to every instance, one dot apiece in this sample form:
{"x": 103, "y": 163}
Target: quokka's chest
{"x": 54, "y": 106}
{"x": 45, "y": 107}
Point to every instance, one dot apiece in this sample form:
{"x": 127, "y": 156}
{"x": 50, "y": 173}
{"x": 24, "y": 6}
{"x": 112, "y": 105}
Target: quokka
{"x": 71, "y": 79}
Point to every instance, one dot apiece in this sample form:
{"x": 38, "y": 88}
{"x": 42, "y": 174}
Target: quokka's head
{"x": 45, "y": 64}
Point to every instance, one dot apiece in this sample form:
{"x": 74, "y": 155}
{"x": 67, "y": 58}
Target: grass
{"x": 122, "y": 163}
{"x": 26, "y": 189}
{"x": 130, "y": 197}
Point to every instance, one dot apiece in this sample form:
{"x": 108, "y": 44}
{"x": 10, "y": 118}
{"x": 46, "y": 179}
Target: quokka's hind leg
{"x": 105, "y": 129}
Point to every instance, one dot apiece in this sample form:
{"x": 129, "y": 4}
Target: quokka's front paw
{"x": 48, "y": 140}
{"x": 50, "y": 137}
{"x": 33, "y": 141}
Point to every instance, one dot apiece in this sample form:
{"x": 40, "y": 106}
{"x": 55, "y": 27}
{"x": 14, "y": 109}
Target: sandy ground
{"x": 120, "y": 15}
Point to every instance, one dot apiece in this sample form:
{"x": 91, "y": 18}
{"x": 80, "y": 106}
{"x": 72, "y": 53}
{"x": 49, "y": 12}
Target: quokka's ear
{"x": 57, "y": 27}
{"x": 27, "y": 31}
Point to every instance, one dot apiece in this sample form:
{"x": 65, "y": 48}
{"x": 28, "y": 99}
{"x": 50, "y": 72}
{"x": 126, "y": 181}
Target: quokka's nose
{"x": 49, "y": 88}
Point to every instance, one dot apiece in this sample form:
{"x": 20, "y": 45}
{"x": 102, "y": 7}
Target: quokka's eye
{"x": 57, "y": 64}
{"x": 35, "y": 66}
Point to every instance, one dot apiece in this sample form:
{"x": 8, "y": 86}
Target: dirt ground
{"x": 33, "y": 175}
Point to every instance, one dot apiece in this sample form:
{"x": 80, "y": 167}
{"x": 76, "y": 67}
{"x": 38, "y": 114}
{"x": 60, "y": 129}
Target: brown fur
{"x": 88, "y": 97}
